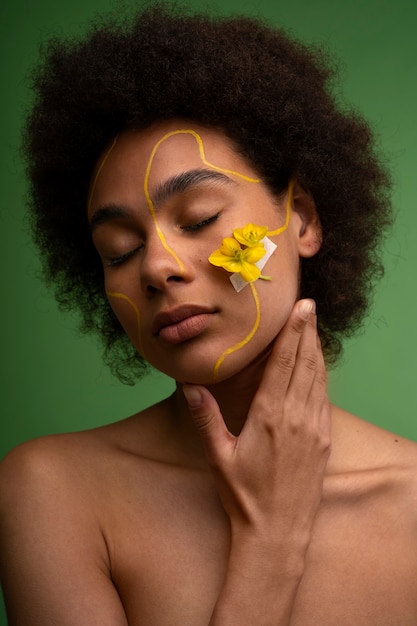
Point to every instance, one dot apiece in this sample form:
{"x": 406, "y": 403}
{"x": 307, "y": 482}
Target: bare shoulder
{"x": 55, "y": 496}
{"x": 376, "y": 459}
{"x": 373, "y": 441}
{"x": 46, "y": 466}
{"x": 71, "y": 476}
{"x": 65, "y": 457}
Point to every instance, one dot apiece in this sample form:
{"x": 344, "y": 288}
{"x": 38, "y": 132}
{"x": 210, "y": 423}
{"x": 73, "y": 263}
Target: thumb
{"x": 207, "y": 417}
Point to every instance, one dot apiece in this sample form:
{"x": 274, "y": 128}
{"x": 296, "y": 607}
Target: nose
{"x": 163, "y": 265}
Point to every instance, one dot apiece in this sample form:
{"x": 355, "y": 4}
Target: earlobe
{"x": 310, "y": 232}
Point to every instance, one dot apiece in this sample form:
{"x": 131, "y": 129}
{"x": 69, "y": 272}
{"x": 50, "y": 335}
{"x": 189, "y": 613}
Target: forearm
{"x": 260, "y": 584}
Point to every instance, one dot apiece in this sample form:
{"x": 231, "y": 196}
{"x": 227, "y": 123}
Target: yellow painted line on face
{"x": 246, "y": 339}
{"x": 151, "y": 206}
{"x": 122, "y": 296}
{"x": 280, "y": 230}
{"x": 161, "y": 236}
{"x": 112, "y": 294}
{"x": 103, "y": 162}
{"x": 200, "y": 144}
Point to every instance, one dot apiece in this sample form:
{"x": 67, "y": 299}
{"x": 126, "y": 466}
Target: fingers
{"x": 209, "y": 421}
{"x": 283, "y": 360}
{"x": 306, "y": 395}
{"x": 309, "y": 363}
{"x": 293, "y": 386}
{"x": 319, "y": 399}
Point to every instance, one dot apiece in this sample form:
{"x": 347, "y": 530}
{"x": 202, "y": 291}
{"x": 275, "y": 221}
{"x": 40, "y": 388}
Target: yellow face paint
{"x": 251, "y": 334}
{"x": 280, "y": 230}
{"x": 122, "y": 296}
{"x": 102, "y": 164}
{"x": 200, "y": 145}
{"x": 112, "y": 294}
{"x": 151, "y": 206}
{"x": 245, "y": 340}
{"x": 149, "y": 201}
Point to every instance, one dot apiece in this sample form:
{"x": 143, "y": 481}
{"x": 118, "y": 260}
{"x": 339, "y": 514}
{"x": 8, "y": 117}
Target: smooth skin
{"x": 255, "y": 502}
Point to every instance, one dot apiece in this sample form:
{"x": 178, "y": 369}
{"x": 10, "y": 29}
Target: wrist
{"x": 269, "y": 555}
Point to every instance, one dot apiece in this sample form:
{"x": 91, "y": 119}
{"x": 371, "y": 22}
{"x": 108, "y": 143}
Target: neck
{"x": 233, "y": 395}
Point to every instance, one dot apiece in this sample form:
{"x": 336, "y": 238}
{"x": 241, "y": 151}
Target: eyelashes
{"x": 113, "y": 262}
{"x": 194, "y": 227}
{"x": 191, "y": 228}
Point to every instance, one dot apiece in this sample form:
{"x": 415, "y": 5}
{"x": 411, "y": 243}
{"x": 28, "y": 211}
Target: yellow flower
{"x": 235, "y": 259}
{"x": 250, "y": 235}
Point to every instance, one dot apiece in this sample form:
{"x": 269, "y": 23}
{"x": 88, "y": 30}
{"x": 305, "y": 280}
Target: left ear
{"x": 310, "y": 232}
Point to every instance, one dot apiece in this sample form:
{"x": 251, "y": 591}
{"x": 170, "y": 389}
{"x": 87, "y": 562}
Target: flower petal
{"x": 219, "y": 259}
{"x": 254, "y": 254}
{"x": 229, "y": 247}
{"x": 233, "y": 266}
{"x": 237, "y": 260}
{"x": 249, "y": 272}
{"x": 250, "y": 235}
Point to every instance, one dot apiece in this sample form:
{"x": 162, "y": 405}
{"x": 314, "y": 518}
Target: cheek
{"x": 259, "y": 311}
{"x": 271, "y": 301}
{"x": 129, "y": 317}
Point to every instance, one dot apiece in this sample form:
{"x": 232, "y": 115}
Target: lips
{"x": 181, "y": 323}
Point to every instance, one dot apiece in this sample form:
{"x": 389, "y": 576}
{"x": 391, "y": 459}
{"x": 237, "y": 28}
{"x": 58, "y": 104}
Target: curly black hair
{"x": 271, "y": 95}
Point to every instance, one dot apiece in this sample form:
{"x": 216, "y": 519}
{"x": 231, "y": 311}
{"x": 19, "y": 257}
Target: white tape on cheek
{"x": 237, "y": 280}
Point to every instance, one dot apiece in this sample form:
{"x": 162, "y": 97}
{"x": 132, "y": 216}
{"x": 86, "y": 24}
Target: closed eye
{"x": 113, "y": 262}
{"x": 194, "y": 227}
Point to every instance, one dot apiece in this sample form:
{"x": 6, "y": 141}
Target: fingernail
{"x": 306, "y": 308}
{"x": 193, "y": 396}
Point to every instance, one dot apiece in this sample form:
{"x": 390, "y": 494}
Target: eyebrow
{"x": 186, "y": 180}
{"x": 176, "y": 184}
{"x": 106, "y": 214}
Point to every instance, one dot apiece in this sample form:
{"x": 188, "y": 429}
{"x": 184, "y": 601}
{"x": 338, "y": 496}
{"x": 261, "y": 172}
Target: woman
{"x": 196, "y": 190}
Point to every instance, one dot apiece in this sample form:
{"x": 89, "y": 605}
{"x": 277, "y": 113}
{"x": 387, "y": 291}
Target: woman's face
{"x": 161, "y": 201}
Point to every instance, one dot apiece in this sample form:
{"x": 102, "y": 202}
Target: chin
{"x": 202, "y": 370}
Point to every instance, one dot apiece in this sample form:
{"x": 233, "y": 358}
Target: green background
{"x": 52, "y": 380}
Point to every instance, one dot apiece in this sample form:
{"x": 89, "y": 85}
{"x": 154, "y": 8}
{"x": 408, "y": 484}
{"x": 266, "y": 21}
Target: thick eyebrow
{"x": 106, "y": 214}
{"x": 176, "y": 184}
{"x": 183, "y": 181}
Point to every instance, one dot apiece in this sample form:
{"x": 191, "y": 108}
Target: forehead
{"x": 148, "y": 157}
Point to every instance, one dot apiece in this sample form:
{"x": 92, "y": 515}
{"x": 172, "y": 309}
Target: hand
{"x": 270, "y": 476}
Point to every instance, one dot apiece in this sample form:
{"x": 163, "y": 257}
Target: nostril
{"x": 158, "y": 282}
{"x": 151, "y": 290}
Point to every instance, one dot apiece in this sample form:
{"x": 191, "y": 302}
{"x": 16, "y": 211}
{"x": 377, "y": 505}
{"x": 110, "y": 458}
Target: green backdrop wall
{"x": 52, "y": 380}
